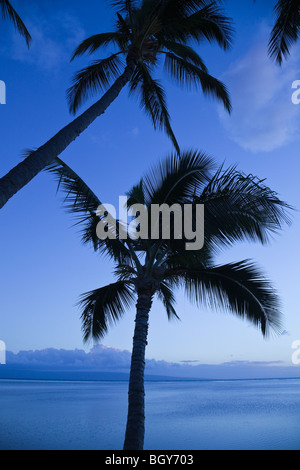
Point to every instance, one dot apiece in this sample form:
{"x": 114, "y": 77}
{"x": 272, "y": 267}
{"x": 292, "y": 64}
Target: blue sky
{"x": 44, "y": 268}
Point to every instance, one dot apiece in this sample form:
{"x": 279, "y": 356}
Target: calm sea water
{"x": 239, "y": 415}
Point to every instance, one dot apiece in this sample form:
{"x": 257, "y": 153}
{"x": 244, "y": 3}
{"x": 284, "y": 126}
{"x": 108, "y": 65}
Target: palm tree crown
{"x": 8, "y": 12}
{"x": 145, "y": 31}
{"x": 237, "y": 207}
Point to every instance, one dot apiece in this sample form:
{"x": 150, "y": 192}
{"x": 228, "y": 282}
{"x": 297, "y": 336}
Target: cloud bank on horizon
{"x": 105, "y": 359}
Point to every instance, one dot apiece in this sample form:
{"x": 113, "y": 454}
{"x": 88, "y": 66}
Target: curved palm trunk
{"x": 135, "y": 429}
{"x": 25, "y": 171}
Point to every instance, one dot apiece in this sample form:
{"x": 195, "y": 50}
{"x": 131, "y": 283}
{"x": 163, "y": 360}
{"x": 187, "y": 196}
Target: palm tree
{"x": 146, "y": 30}
{"x": 8, "y": 12}
{"x": 286, "y": 30}
{"x": 237, "y": 207}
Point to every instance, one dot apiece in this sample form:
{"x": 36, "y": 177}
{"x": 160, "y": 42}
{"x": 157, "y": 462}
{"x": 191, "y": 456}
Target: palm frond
{"x": 179, "y": 256}
{"x": 93, "y": 43}
{"x": 189, "y": 74}
{"x": 125, "y": 272}
{"x": 153, "y": 101}
{"x": 166, "y": 295}
{"x": 92, "y": 79}
{"x": 8, "y": 12}
{"x": 111, "y": 246}
{"x": 124, "y": 27}
{"x": 239, "y": 288}
{"x": 81, "y": 200}
{"x": 177, "y": 178}
{"x": 136, "y": 194}
{"x": 103, "y": 307}
{"x": 179, "y": 9}
{"x": 185, "y": 52}
{"x": 205, "y": 20}
{"x": 241, "y": 207}
{"x": 210, "y": 23}
{"x": 124, "y": 6}
{"x": 286, "y": 30}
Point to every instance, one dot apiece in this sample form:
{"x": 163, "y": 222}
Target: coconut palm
{"x": 237, "y": 207}
{"x": 286, "y": 29}
{"x": 145, "y": 32}
{"x": 8, "y": 12}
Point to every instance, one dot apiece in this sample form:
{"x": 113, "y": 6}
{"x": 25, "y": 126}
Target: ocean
{"x": 180, "y": 415}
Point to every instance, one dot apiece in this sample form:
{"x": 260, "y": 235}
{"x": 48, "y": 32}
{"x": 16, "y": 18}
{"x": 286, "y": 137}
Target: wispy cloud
{"x": 53, "y": 41}
{"x": 264, "y": 117}
{"x": 135, "y": 132}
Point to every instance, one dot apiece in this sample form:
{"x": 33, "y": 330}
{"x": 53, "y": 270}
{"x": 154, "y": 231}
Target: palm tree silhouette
{"x": 146, "y": 30}
{"x": 237, "y": 207}
{"x": 8, "y": 12}
{"x": 286, "y": 29}
{"x": 145, "y": 34}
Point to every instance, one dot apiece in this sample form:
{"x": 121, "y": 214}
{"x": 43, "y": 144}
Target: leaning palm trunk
{"x": 25, "y": 171}
{"x": 135, "y": 429}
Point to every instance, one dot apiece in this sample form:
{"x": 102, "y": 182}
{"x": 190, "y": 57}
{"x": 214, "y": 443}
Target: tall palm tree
{"x": 237, "y": 207}
{"x": 146, "y": 30}
{"x": 8, "y": 12}
{"x": 286, "y": 30}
